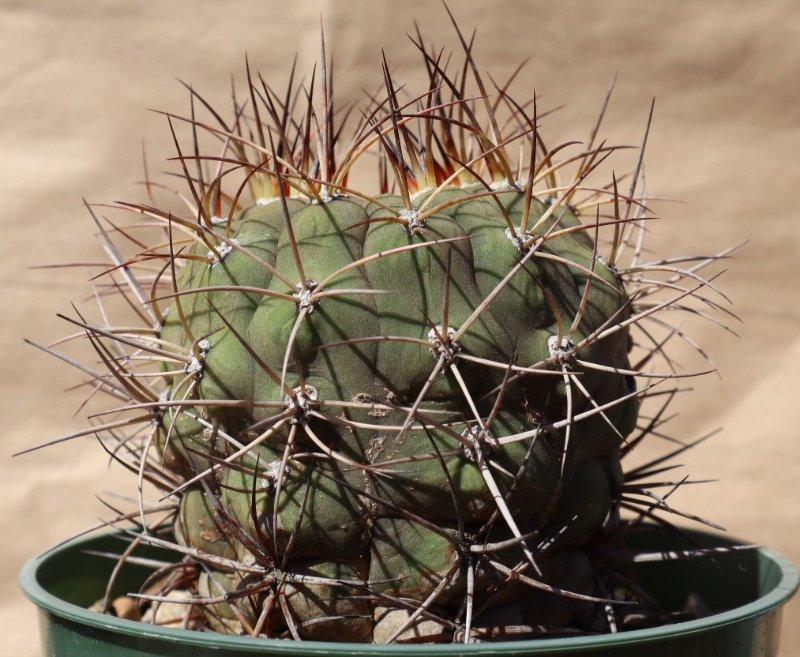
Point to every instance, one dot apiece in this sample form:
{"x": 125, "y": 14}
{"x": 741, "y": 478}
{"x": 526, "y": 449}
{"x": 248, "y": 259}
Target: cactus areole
{"x": 394, "y": 414}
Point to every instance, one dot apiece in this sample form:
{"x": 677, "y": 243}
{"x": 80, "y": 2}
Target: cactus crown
{"x": 391, "y": 416}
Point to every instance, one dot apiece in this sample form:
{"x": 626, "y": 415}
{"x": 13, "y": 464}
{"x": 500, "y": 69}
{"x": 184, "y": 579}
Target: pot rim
{"x": 36, "y": 593}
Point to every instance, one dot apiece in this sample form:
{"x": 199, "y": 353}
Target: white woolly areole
{"x": 556, "y": 346}
{"x": 304, "y": 296}
{"x": 449, "y": 348}
{"x": 222, "y": 250}
{"x": 518, "y": 238}
{"x": 604, "y": 261}
{"x": 477, "y": 438}
{"x": 411, "y": 217}
{"x": 271, "y": 472}
{"x": 325, "y": 197}
{"x": 434, "y": 335}
{"x": 195, "y": 365}
{"x": 304, "y": 398}
{"x": 559, "y": 350}
{"x": 505, "y": 186}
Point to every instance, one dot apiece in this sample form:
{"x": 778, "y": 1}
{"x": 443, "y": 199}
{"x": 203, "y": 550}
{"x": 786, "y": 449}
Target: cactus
{"x": 395, "y": 415}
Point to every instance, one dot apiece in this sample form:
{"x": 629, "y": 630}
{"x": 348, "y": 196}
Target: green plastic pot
{"x": 752, "y": 584}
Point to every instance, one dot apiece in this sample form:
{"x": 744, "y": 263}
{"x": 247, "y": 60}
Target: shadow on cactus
{"x": 394, "y": 415}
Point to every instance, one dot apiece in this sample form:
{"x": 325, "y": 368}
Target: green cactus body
{"x": 360, "y": 481}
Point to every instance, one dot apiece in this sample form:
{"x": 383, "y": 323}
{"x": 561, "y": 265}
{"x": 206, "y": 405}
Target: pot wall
{"x": 66, "y": 580}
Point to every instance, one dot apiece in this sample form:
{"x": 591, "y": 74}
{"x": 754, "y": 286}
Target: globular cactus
{"x": 392, "y": 416}
{"x": 397, "y": 372}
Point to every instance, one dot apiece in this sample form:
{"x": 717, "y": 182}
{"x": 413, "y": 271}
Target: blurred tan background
{"x": 75, "y": 81}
